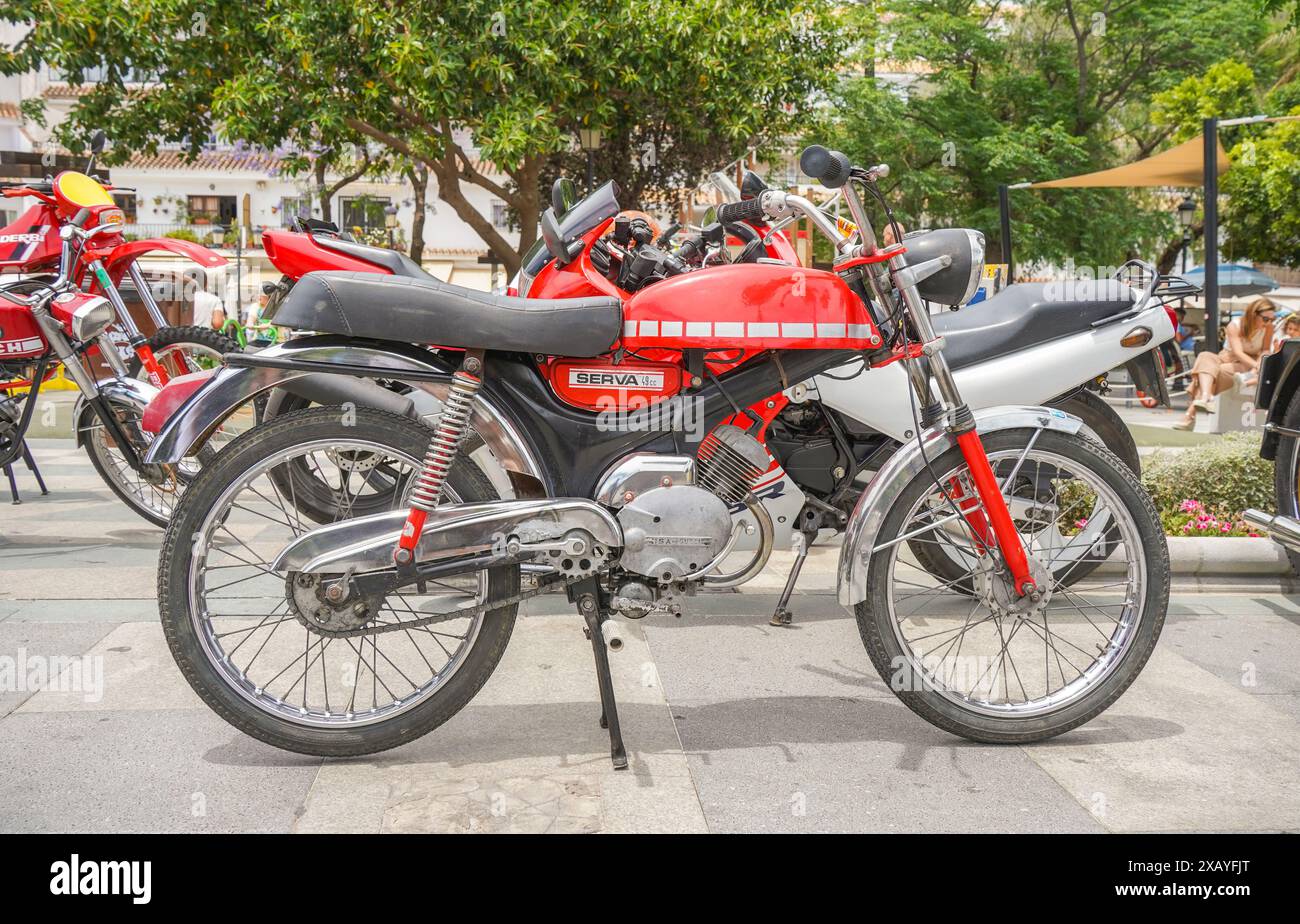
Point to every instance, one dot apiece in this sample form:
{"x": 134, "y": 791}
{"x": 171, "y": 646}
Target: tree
{"x": 1034, "y": 91}
{"x": 447, "y": 86}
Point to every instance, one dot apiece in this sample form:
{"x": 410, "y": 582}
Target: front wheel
{"x": 181, "y": 350}
{"x": 1286, "y": 471}
{"x": 989, "y": 664}
{"x": 152, "y": 492}
{"x": 265, "y": 650}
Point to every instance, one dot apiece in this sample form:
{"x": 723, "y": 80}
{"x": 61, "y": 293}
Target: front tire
{"x": 356, "y": 695}
{"x": 181, "y": 350}
{"x": 918, "y": 647}
{"x": 1286, "y": 471}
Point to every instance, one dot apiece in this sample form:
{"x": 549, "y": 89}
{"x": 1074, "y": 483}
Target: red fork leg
{"x": 153, "y": 369}
{"x": 1004, "y": 530}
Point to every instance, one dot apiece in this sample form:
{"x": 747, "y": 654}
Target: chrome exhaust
{"x": 1284, "y": 530}
{"x": 496, "y": 527}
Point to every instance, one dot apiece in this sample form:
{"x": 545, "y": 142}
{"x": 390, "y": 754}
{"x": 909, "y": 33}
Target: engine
{"x": 676, "y": 531}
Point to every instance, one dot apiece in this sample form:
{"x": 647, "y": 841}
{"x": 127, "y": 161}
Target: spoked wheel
{"x": 994, "y": 666}
{"x": 182, "y": 350}
{"x": 266, "y": 650}
{"x": 1091, "y": 533}
{"x": 152, "y": 493}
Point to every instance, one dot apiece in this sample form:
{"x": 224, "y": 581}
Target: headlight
{"x": 956, "y": 284}
{"x": 92, "y": 318}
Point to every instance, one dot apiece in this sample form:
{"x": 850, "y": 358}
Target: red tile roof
{"x": 253, "y": 161}
{"x": 9, "y": 111}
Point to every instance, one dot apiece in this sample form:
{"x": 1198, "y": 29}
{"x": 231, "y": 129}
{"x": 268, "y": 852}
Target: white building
{"x": 232, "y": 185}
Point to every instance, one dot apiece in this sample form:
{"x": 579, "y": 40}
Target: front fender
{"x": 130, "y": 392}
{"x": 233, "y": 386}
{"x": 123, "y": 254}
{"x": 863, "y": 530}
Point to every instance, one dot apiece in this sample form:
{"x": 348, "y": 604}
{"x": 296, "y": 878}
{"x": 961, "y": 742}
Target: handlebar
{"x": 832, "y": 168}
{"x": 746, "y": 210}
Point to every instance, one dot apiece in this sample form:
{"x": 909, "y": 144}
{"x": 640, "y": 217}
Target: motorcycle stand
{"x": 782, "y": 616}
{"x": 587, "y": 595}
{"x": 26, "y": 454}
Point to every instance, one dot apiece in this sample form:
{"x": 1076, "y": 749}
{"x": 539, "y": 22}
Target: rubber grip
{"x": 747, "y": 210}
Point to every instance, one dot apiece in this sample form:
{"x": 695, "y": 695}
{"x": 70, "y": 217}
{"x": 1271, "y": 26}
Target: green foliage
{"x": 699, "y": 80}
{"x": 1226, "y": 475}
{"x": 183, "y": 234}
{"x": 1226, "y": 89}
{"x": 1035, "y": 91}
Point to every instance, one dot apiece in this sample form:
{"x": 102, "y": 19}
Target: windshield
{"x": 587, "y": 213}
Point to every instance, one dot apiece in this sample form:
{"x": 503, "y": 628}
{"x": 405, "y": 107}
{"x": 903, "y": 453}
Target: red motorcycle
{"x": 366, "y": 631}
{"x": 62, "y": 315}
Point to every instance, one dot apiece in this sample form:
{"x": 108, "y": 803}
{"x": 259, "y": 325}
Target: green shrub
{"x": 1225, "y": 475}
{"x": 183, "y": 234}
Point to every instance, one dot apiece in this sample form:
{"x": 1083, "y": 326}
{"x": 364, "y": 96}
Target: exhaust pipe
{"x": 1284, "y": 530}
{"x": 613, "y": 638}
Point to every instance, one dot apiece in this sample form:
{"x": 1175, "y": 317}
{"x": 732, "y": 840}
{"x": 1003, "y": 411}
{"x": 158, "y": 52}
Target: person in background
{"x": 1187, "y": 334}
{"x": 1290, "y": 329}
{"x": 1248, "y": 338}
{"x": 209, "y": 311}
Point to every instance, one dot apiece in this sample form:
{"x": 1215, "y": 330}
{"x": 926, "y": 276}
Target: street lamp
{"x": 590, "y": 140}
{"x": 390, "y": 222}
{"x": 1186, "y": 218}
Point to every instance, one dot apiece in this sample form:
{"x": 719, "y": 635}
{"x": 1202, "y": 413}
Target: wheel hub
{"x": 325, "y": 603}
{"x": 995, "y": 587}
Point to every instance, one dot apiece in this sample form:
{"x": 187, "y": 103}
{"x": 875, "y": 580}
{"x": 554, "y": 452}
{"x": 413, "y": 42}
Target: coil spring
{"x": 438, "y": 458}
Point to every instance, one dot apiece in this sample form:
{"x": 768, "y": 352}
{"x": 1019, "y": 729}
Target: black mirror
{"x": 97, "y": 142}
{"x": 553, "y": 237}
{"x": 752, "y": 185}
{"x": 564, "y": 195}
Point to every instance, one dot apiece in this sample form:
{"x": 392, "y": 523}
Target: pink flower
{"x": 1080, "y": 524}
{"x": 1191, "y": 506}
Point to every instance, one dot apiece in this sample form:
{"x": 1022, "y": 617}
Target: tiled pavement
{"x": 732, "y": 725}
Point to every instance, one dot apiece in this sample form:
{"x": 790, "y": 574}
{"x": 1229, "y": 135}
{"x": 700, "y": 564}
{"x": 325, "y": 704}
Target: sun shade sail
{"x": 1179, "y": 166}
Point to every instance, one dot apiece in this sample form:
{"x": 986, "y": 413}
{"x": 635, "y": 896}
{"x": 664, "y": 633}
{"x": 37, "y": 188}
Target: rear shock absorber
{"x": 441, "y": 454}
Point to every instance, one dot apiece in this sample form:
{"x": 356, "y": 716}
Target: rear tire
{"x": 181, "y": 624}
{"x": 1286, "y": 471}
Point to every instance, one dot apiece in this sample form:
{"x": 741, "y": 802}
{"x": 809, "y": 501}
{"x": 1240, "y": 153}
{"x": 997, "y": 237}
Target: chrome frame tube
{"x": 146, "y": 295}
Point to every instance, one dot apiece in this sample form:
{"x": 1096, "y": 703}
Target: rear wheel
{"x": 244, "y": 636}
{"x": 1286, "y": 471}
{"x": 994, "y": 666}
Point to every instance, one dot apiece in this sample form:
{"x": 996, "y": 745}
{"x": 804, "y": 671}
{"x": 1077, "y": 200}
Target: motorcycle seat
{"x": 1027, "y": 314}
{"x": 432, "y": 312}
{"x": 399, "y": 264}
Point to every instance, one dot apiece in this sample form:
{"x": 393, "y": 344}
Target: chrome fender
{"x": 232, "y": 387}
{"x": 863, "y": 530}
{"x": 132, "y": 392}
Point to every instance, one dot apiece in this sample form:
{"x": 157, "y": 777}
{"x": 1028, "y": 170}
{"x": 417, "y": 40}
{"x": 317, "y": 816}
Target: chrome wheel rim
{"x": 1017, "y": 666}
{"x": 158, "y": 498}
{"x": 286, "y": 669}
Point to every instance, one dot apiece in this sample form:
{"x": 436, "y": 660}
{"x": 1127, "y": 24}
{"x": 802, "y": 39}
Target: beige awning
{"x": 1182, "y": 165}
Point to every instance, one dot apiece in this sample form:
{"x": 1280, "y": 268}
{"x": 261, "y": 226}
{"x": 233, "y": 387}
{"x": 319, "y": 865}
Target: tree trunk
{"x": 1169, "y": 256}
{"x": 419, "y": 177}
{"x": 322, "y": 196}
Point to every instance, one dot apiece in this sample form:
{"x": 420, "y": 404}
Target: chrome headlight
{"x": 92, "y": 318}
{"x": 955, "y": 285}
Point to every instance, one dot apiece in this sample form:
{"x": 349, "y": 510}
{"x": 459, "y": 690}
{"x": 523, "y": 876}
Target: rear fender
{"x": 862, "y": 535}
{"x": 233, "y": 386}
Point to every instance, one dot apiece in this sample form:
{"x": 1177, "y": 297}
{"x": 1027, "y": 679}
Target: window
{"x": 500, "y": 214}
{"x": 363, "y": 212}
{"x": 126, "y": 202}
{"x": 292, "y": 207}
{"x": 211, "y": 210}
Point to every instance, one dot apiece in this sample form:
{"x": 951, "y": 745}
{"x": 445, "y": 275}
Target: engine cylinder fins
{"x": 730, "y": 462}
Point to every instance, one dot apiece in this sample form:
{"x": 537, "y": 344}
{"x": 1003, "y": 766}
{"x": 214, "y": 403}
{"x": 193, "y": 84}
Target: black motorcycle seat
{"x": 432, "y": 312}
{"x": 399, "y": 264}
{"x": 1027, "y": 314}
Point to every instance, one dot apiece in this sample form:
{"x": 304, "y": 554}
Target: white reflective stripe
{"x": 740, "y": 330}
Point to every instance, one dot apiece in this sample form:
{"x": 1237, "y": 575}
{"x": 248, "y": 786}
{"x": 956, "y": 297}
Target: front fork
{"x": 139, "y": 343}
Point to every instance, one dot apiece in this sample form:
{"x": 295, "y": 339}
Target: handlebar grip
{"x": 747, "y": 210}
{"x": 832, "y": 168}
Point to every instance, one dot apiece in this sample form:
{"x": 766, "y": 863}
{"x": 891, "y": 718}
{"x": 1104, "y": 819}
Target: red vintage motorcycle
{"x": 364, "y": 632}
{"x": 72, "y": 245}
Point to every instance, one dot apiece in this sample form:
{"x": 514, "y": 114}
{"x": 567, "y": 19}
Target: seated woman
{"x": 1249, "y": 337}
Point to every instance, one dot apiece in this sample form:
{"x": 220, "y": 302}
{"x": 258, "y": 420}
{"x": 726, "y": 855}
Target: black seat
{"x": 399, "y": 264}
{"x": 429, "y": 311}
{"x": 1027, "y": 314}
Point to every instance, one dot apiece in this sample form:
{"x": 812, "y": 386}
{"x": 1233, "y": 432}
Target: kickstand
{"x": 589, "y": 607}
{"x": 13, "y": 485}
{"x": 783, "y": 616}
{"x": 31, "y": 465}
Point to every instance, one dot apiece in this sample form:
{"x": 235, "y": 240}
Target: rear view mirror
{"x": 97, "y": 142}
{"x": 564, "y": 195}
{"x": 556, "y": 246}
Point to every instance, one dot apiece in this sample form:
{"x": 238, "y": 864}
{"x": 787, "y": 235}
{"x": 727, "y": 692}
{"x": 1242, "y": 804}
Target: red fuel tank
{"x": 762, "y": 306}
{"x": 20, "y": 338}
{"x": 32, "y": 242}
